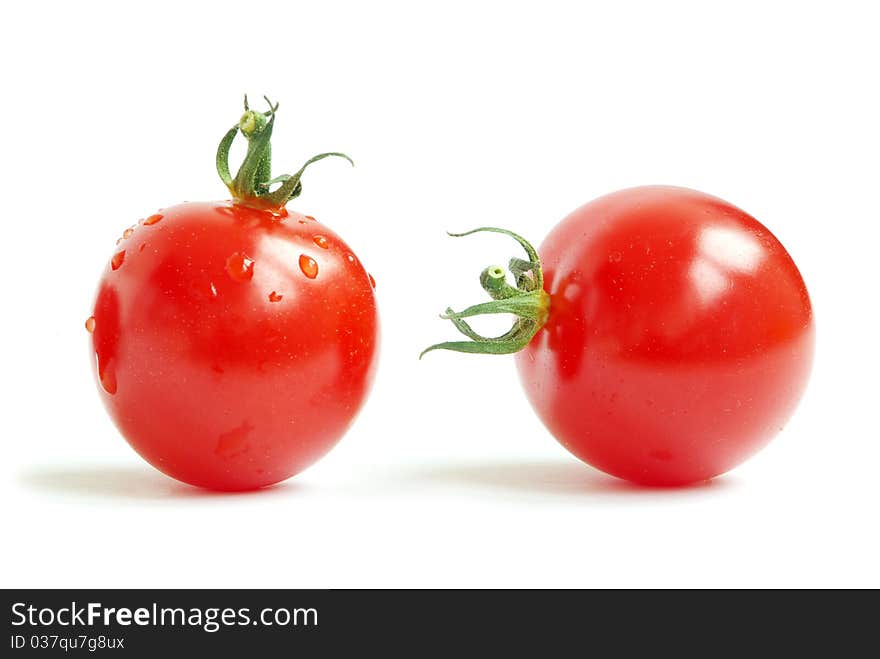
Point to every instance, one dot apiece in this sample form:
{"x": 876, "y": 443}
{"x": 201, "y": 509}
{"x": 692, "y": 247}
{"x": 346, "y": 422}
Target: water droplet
{"x": 235, "y": 442}
{"x": 127, "y": 233}
{"x": 662, "y": 454}
{"x": 213, "y": 289}
{"x": 274, "y": 297}
{"x": 153, "y": 219}
{"x": 309, "y": 217}
{"x": 308, "y": 266}
{"x": 117, "y": 259}
{"x": 372, "y": 281}
{"x": 302, "y": 221}
{"x": 615, "y": 257}
{"x": 106, "y": 375}
{"x": 90, "y": 324}
{"x": 240, "y": 267}
{"x": 321, "y": 242}
{"x": 350, "y": 258}
{"x": 108, "y": 381}
{"x": 141, "y": 247}
{"x": 118, "y": 240}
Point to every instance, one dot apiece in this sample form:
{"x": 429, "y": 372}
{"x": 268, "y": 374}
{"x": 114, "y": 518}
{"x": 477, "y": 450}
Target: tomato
{"x": 234, "y": 342}
{"x": 676, "y": 340}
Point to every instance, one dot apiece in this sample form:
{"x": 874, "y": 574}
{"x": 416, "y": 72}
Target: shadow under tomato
{"x": 554, "y": 478}
{"x": 123, "y": 482}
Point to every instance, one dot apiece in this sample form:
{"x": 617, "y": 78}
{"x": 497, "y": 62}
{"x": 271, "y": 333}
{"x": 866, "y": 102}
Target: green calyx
{"x": 253, "y": 184}
{"x": 527, "y": 301}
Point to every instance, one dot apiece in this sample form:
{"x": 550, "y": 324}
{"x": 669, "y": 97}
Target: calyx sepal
{"x": 253, "y": 183}
{"x": 527, "y": 300}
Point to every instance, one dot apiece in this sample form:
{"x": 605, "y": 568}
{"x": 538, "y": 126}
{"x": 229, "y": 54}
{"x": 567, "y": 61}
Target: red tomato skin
{"x": 679, "y": 340}
{"x": 219, "y": 359}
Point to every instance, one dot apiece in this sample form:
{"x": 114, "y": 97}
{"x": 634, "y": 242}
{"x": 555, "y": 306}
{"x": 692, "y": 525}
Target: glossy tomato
{"x": 663, "y": 335}
{"x": 233, "y": 344}
{"x": 679, "y": 337}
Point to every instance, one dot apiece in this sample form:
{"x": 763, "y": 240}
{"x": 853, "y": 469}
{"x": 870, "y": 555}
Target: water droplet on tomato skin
{"x": 240, "y": 267}
{"x": 321, "y": 242}
{"x": 372, "y": 281}
{"x": 308, "y": 266}
{"x": 235, "y": 442}
{"x": 106, "y": 375}
{"x": 274, "y": 297}
{"x": 662, "y": 454}
{"x": 350, "y": 258}
{"x": 202, "y": 289}
{"x": 615, "y": 257}
{"x": 117, "y": 260}
{"x": 141, "y": 247}
{"x": 309, "y": 217}
{"x": 153, "y": 219}
{"x": 108, "y": 381}
{"x": 127, "y": 233}
{"x": 90, "y": 324}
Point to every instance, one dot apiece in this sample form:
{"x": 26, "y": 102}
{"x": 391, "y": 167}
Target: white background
{"x": 457, "y": 115}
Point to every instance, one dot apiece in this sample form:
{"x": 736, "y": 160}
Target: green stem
{"x": 527, "y": 301}
{"x": 252, "y": 184}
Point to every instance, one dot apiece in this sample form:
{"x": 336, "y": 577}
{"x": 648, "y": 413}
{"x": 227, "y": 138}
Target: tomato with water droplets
{"x": 222, "y": 360}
